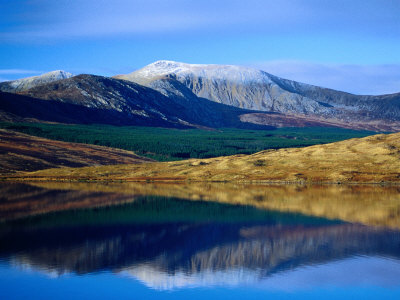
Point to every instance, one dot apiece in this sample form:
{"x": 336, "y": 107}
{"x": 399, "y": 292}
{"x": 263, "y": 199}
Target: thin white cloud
{"x": 45, "y": 19}
{"x": 12, "y": 74}
{"x": 357, "y": 79}
{"x": 17, "y": 71}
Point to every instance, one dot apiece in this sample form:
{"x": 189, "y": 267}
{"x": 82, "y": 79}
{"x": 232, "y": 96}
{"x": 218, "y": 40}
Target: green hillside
{"x": 164, "y": 144}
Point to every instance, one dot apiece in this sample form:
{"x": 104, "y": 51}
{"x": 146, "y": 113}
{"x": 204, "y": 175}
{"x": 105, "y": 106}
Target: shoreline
{"x": 188, "y": 181}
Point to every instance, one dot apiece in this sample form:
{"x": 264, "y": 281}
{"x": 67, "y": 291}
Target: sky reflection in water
{"x": 171, "y": 248}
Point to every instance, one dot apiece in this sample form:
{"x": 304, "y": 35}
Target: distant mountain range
{"x": 173, "y": 94}
{"x": 96, "y": 99}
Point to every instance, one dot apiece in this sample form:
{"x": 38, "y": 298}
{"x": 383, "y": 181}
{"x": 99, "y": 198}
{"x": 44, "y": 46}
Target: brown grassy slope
{"x": 21, "y": 152}
{"x": 366, "y": 160}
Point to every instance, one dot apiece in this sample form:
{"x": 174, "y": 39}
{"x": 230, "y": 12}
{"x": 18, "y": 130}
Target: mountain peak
{"x": 166, "y": 63}
{"x": 167, "y": 68}
{"x": 57, "y": 73}
{"x": 243, "y": 87}
{"x": 169, "y": 64}
{"x": 48, "y": 77}
{"x": 24, "y": 84}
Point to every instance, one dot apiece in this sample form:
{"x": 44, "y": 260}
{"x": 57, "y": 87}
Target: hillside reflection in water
{"x": 171, "y": 237}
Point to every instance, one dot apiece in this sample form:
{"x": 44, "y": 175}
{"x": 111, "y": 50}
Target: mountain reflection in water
{"x": 147, "y": 233}
{"x": 169, "y": 242}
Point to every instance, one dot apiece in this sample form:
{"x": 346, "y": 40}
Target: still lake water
{"x": 215, "y": 241}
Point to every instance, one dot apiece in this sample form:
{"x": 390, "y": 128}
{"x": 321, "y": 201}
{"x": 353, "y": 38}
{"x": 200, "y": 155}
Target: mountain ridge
{"x": 24, "y": 84}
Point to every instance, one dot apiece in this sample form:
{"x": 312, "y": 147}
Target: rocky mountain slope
{"x": 97, "y": 99}
{"x": 22, "y": 108}
{"x": 257, "y": 90}
{"x": 24, "y": 84}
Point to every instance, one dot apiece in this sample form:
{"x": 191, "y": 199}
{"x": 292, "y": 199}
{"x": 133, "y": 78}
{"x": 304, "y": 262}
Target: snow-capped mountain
{"x": 232, "y": 85}
{"x": 258, "y": 90}
{"x": 237, "y": 74}
{"x": 24, "y": 84}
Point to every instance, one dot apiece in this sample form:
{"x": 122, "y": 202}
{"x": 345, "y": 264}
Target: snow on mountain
{"x": 24, "y": 84}
{"x": 231, "y": 73}
{"x": 232, "y": 85}
{"x": 258, "y": 90}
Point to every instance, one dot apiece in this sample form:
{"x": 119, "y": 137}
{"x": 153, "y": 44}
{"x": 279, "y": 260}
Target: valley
{"x": 169, "y": 144}
{"x": 205, "y": 122}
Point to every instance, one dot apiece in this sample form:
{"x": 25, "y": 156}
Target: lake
{"x": 197, "y": 241}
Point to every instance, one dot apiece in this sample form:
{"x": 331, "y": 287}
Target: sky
{"x": 352, "y": 46}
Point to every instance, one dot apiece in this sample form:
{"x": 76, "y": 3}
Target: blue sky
{"x": 347, "y": 45}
